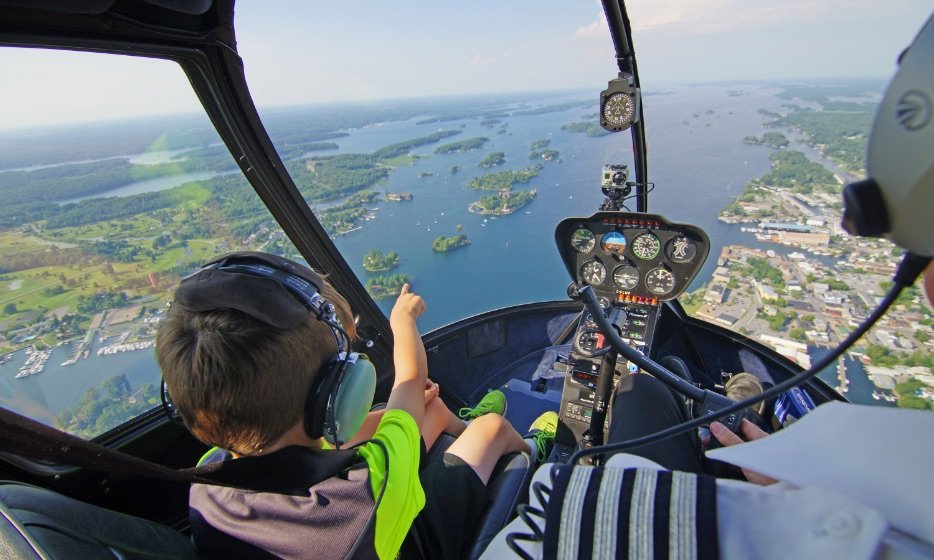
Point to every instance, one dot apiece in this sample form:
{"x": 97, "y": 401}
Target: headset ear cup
{"x": 353, "y": 400}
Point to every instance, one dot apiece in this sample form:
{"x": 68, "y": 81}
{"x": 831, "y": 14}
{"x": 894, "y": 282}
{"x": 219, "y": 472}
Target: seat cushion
{"x": 38, "y": 523}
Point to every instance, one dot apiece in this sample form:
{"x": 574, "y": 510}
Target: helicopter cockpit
{"x": 152, "y": 136}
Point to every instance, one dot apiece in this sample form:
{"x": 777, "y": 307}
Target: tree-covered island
{"x": 502, "y": 203}
{"x": 504, "y": 180}
{"x": 375, "y": 261}
{"x": 771, "y": 139}
{"x": 492, "y": 160}
{"x": 381, "y": 287}
{"x": 592, "y": 129}
{"x": 466, "y": 145}
{"x": 443, "y": 244}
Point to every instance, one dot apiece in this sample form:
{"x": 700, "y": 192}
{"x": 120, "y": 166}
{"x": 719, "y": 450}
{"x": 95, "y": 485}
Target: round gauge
{"x": 618, "y": 109}
{"x": 613, "y": 242}
{"x": 660, "y": 281}
{"x": 593, "y": 272}
{"x": 646, "y": 246}
{"x": 681, "y": 249}
{"x": 583, "y": 240}
{"x": 626, "y": 277}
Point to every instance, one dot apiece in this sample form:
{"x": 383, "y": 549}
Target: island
{"x": 504, "y": 180}
{"x": 375, "y": 261}
{"x": 398, "y": 197}
{"x": 443, "y": 244}
{"x": 502, "y": 203}
{"x": 492, "y": 160}
{"x": 539, "y": 144}
{"x": 466, "y": 145}
{"x": 381, "y": 287}
{"x": 592, "y": 129}
{"x": 547, "y": 154}
{"x": 771, "y": 139}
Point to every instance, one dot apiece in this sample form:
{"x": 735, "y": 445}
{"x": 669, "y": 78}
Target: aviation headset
{"x": 281, "y": 293}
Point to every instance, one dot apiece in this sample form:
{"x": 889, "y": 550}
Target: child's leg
{"x": 438, "y": 418}
{"x": 484, "y": 441}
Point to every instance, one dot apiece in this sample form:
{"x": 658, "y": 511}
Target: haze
{"x": 302, "y": 52}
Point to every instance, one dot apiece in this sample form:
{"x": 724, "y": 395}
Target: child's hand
{"x": 408, "y": 306}
{"x": 431, "y": 391}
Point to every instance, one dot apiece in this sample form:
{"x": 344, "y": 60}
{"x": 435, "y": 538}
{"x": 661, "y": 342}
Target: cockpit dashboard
{"x": 631, "y": 257}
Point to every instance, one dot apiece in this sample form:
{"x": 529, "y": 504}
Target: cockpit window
{"x": 445, "y": 158}
{"x": 446, "y": 166}
{"x": 113, "y": 185}
{"x": 426, "y": 166}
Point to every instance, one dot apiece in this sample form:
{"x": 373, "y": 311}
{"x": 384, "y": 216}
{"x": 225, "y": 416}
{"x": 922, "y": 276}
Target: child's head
{"x": 239, "y": 382}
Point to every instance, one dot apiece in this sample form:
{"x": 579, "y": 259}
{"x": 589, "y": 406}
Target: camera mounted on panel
{"x": 614, "y": 186}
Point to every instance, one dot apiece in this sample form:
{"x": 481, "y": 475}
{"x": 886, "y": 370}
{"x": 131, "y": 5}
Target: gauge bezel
{"x": 591, "y": 243}
{"x": 594, "y": 262}
{"x": 635, "y": 271}
{"x": 671, "y": 278}
{"x": 646, "y": 235}
{"x": 669, "y": 250}
{"x": 614, "y": 251}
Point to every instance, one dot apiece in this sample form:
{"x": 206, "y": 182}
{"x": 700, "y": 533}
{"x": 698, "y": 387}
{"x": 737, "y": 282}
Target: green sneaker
{"x": 542, "y": 432}
{"x": 493, "y": 402}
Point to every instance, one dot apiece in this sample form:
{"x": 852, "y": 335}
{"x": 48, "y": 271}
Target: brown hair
{"x": 238, "y": 382}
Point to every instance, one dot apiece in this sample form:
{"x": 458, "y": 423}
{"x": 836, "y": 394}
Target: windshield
{"x": 442, "y": 147}
{"x": 449, "y": 166}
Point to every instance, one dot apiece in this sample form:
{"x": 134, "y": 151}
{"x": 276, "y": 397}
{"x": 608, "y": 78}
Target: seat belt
{"x": 300, "y": 467}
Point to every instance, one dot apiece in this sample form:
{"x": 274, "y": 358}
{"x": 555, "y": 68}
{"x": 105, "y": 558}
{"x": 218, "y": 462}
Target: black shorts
{"x": 455, "y": 499}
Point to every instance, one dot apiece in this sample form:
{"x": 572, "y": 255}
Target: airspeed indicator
{"x": 583, "y": 240}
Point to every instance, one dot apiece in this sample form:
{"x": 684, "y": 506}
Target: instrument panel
{"x": 632, "y": 257}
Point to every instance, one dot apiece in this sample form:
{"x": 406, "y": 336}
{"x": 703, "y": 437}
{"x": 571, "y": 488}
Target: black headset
{"x": 281, "y": 293}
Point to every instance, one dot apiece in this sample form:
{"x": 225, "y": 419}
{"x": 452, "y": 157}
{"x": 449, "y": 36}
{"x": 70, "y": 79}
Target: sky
{"x": 308, "y": 51}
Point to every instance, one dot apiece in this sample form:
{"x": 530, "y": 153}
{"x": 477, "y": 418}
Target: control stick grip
{"x": 601, "y": 397}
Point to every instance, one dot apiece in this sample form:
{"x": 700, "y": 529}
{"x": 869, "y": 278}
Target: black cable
{"x": 908, "y": 271}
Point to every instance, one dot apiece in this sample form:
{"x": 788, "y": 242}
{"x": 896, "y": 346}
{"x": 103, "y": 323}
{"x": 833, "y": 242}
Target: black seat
{"x": 509, "y": 486}
{"x": 41, "y": 524}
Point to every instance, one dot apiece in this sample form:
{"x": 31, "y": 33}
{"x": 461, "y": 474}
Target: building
{"x": 715, "y": 294}
{"x": 801, "y": 238}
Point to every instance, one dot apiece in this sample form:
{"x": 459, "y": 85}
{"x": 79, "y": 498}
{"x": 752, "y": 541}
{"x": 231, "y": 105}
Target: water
{"x": 149, "y": 185}
{"x": 698, "y": 168}
{"x": 45, "y": 395}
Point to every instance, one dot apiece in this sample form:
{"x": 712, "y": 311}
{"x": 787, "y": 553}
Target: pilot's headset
{"x": 281, "y": 293}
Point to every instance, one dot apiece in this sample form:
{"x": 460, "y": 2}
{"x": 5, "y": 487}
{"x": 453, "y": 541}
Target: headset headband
{"x": 271, "y": 289}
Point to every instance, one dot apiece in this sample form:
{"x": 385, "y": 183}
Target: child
{"x": 240, "y": 355}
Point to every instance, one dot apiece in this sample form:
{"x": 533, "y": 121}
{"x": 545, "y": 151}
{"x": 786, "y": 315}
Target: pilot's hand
{"x": 408, "y": 306}
{"x": 749, "y": 431}
{"x": 431, "y": 391}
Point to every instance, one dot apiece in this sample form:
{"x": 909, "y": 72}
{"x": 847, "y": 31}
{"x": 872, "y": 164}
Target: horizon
{"x": 661, "y": 89}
